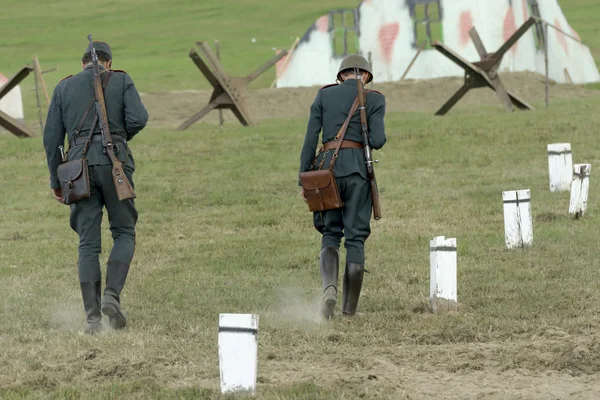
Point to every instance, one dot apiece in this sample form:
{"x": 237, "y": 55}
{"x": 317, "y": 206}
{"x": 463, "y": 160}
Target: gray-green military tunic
{"x": 127, "y": 116}
{"x": 328, "y": 113}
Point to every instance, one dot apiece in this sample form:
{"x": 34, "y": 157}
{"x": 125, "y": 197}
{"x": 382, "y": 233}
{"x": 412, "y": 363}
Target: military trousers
{"x": 351, "y": 221}
{"x": 86, "y": 220}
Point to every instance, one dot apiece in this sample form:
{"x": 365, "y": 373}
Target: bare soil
{"x": 553, "y": 366}
{"x": 556, "y": 366}
{"x": 169, "y": 109}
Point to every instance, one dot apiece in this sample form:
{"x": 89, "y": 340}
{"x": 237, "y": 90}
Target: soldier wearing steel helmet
{"x": 352, "y": 221}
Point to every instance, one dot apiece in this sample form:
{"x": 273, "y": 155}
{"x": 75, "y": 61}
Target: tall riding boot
{"x": 353, "y": 278}
{"x": 116, "y": 274}
{"x": 329, "y": 272}
{"x": 90, "y": 292}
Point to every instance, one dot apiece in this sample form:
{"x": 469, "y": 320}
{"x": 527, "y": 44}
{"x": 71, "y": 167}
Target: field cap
{"x": 100, "y": 46}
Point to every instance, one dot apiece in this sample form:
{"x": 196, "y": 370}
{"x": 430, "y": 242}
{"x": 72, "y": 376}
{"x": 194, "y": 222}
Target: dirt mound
{"x": 169, "y": 109}
{"x": 557, "y": 367}
{"x": 576, "y": 357}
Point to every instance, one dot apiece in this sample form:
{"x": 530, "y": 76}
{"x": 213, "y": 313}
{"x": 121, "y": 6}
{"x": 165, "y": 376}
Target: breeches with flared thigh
{"x": 351, "y": 221}
{"x": 86, "y": 220}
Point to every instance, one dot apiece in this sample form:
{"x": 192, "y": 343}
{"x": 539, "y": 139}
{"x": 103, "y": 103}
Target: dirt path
{"x": 169, "y": 109}
{"x": 557, "y": 368}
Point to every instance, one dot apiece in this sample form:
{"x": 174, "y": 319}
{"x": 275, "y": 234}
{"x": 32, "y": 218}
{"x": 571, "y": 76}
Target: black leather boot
{"x": 90, "y": 292}
{"x": 329, "y": 272}
{"x": 116, "y": 274}
{"x": 353, "y": 278}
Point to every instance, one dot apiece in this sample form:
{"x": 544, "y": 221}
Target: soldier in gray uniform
{"x": 71, "y": 112}
{"x": 352, "y": 221}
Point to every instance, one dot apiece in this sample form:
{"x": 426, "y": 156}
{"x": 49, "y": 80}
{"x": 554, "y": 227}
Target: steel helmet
{"x": 355, "y": 61}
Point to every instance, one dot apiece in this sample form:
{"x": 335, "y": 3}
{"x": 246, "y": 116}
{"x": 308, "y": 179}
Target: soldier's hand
{"x": 303, "y": 195}
{"x": 57, "y": 193}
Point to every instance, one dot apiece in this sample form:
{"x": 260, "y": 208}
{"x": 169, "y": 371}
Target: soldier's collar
{"x": 350, "y": 81}
{"x": 90, "y": 65}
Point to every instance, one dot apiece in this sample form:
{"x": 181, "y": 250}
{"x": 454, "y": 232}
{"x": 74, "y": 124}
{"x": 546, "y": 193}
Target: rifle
{"x": 122, "y": 184}
{"x": 369, "y": 159}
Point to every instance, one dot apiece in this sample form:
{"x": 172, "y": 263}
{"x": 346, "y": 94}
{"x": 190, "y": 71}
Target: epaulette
{"x": 118, "y": 70}
{"x": 376, "y": 91}
{"x": 326, "y": 86}
{"x": 65, "y": 78}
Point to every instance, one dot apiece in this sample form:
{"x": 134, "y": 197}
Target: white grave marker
{"x": 579, "y": 190}
{"x": 442, "y": 288}
{"x": 560, "y": 166}
{"x": 238, "y": 352}
{"x": 518, "y": 226}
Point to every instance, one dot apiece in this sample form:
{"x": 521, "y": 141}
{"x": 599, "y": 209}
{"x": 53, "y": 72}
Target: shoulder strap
{"x": 342, "y": 132}
{"x": 82, "y": 120}
{"x": 105, "y": 77}
{"x": 87, "y": 142}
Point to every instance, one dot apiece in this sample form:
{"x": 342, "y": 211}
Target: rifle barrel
{"x": 367, "y": 148}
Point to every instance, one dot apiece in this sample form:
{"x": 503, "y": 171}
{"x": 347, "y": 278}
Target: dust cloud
{"x": 298, "y": 307}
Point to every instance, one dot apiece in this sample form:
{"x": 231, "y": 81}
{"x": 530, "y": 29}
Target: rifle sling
{"x": 106, "y": 136}
{"x": 105, "y": 77}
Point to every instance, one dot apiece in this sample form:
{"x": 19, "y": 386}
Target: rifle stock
{"x": 122, "y": 185}
{"x": 367, "y": 147}
{"x": 375, "y": 197}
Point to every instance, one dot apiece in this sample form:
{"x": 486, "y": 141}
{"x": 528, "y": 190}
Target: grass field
{"x": 222, "y": 230}
{"x": 152, "y": 38}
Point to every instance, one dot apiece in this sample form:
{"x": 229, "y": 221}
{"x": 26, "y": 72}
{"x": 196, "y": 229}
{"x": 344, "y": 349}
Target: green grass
{"x": 583, "y": 17}
{"x": 151, "y": 39}
{"x": 221, "y": 229}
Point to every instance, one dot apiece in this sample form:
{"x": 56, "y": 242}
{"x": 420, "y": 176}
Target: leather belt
{"x": 96, "y": 138}
{"x": 346, "y": 144}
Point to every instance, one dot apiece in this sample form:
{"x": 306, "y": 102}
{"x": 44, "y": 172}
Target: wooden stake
{"x": 568, "y": 77}
{"x": 39, "y": 75}
{"x": 218, "y": 49}
{"x": 579, "y": 190}
{"x": 518, "y": 226}
{"x": 36, "y": 73}
{"x": 371, "y": 65}
{"x": 559, "y": 30}
{"x": 442, "y": 288}
{"x": 546, "y": 63}
{"x": 238, "y": 352}
{"x": 412, "y": 63}
{"x": 287, "y": 60}
{"x": 560, "y": 166}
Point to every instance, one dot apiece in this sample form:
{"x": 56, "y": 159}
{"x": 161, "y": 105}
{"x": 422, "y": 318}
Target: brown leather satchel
{"x": 73, "y": 175}
{"x": 74, "y": 180}
{"x": 320, "y": 187}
